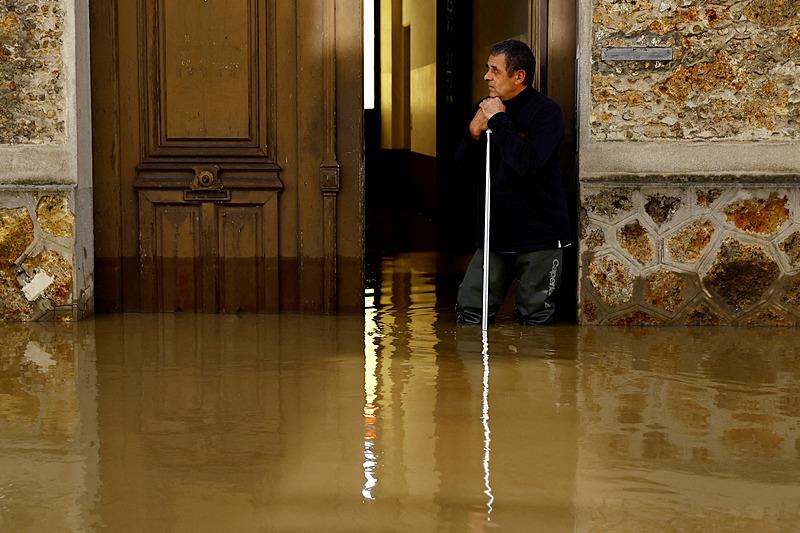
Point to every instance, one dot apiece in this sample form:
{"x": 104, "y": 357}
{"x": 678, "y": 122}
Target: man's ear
{"x": 520, "y": 76}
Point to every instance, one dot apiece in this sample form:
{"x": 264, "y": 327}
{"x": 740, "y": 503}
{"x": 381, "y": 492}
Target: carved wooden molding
{"x": 329, "y": 169}
{"x": 253, "y": 152}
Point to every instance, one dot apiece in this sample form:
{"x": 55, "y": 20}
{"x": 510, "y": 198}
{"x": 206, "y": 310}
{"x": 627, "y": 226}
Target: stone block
{"x": 701, "y": 315}
{"x": 662, "y": 208}
{"x": 635, "y": 239}
{"x": 55, "y": 217}
{"x": 689, "y": 243}
{"x": 770, "y": 316}
{"x": 612, "y": 280}
{"x": 13, "y": 305}
{"x": 763, "y": 216}
{"x": 16, "y": 233}
{"x": 706, "y": 197}
{"x": 741, "y": 274}
{"x": 608, "y": 203}
{"x": 665, "y": 290}
{"x": 56, "y": 266}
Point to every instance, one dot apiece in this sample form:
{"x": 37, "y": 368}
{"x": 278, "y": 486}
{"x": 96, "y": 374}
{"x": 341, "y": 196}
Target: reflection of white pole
{"x": 486, "y": 211}
{"x": 487, "y": 433}
{"x": 371, "y": 341}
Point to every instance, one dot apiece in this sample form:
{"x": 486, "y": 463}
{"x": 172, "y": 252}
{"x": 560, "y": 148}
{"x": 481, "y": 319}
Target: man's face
{"x": 502, "y": 83}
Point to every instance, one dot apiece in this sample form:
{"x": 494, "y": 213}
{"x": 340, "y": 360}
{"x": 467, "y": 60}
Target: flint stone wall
{"x": 734, "y": 75}
{"x": 32, "y": 99}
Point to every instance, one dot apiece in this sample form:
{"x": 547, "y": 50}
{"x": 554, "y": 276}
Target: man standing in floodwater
{"x": 529, "y": 222}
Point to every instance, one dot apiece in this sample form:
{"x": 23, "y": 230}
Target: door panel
{"x": 239, "y": 259}
{"x": 178, "y": 247}
{"x": 217, "y": 198}
{"x": 207, "y": 70}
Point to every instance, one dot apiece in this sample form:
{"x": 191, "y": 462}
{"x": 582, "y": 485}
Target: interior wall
{"x": 493, "y": 22}
{"x": 420, "y": 16}
{"x": 392, "y": 77}
{"x": 408, "y": 75}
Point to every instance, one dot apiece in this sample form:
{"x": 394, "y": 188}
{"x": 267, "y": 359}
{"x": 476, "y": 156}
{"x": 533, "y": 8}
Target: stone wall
{"x": 46, "y": 244}
{"x": 715, "y": 253}
{"x": 689, "y": 169}
{"x": 37, "y": 241}
{"x": 734, "y": 74}
{"x": 31, "y": 72}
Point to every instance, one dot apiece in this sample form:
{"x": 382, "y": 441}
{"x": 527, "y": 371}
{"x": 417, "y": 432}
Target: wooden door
{"x": 218, "y": 129}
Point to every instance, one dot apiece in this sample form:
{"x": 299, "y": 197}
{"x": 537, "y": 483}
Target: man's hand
{"x": 479, "y": 124}
{"x": 490, "y": 106}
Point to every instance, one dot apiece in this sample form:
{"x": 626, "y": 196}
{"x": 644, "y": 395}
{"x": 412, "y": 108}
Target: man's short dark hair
{"x": 518, "y": 57}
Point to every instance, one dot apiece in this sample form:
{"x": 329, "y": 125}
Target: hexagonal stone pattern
{"x": 660, "y": 236}
{"x": 608, "y": 202}
{"x": 634, "y": 239}
{"x": 612, "y": 280}
{"x": 758, "y": 215}
{"x": 741, "y": 273}
{"x": 665, "y": 290}
{"x": 16, "y": 233}
{"x": 688, "y": 244}
{"x": 55, "y": 217}
{"x": 662, "y": 208}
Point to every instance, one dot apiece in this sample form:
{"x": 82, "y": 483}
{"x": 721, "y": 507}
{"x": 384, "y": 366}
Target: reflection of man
{"x": 529, "y": 221}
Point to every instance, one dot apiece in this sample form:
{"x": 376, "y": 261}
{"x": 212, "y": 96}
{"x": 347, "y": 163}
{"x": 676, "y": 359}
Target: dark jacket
{"x": 529, "y": 208}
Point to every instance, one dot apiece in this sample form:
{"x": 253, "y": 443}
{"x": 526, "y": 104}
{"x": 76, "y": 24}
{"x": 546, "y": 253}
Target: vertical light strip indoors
{"x": 369, "y": 54}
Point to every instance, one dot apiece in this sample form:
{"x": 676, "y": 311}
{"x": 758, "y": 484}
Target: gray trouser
{"x": 539, "y": 274}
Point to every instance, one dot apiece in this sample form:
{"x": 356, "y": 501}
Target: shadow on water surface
{"x": 395, "y": 420}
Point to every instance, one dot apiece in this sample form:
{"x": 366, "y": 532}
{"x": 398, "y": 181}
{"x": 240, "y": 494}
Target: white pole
{"x": 486, "y": 213}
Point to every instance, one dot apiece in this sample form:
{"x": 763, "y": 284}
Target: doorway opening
{"x": 427, "y": 74}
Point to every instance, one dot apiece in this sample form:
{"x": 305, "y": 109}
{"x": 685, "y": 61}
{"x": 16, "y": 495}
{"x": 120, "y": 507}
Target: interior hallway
{"x": 395, "y": 421}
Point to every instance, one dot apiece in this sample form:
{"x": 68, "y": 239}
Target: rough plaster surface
{"x": 32, "y": 89}
{"x": 727, "y": 255}
{"x": 734, "y": 75}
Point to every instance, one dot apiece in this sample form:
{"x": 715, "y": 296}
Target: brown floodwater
{"x": 397, "y": 420}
